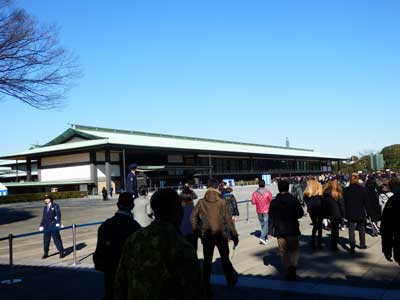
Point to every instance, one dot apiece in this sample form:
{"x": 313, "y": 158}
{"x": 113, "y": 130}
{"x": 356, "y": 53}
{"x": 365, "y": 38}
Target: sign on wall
{"x": 3, "y": 190}
{"x": 229, "y": 182}
{"x": 266, "y": 178}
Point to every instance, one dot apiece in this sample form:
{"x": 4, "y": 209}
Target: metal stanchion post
{"x": 74, "y": 243}
{"x": 10, "y": 248}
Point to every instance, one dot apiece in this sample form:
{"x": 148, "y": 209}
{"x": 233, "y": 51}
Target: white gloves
{"x": 41, "y": 228}
{"x": 57, "y": 225}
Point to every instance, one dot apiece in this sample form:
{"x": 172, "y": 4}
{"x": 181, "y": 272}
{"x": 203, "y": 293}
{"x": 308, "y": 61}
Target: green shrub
{"x": 39, "y": 196}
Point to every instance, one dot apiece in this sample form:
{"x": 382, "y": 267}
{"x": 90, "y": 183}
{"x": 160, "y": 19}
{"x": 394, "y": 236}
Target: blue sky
{"x": 324, "y": 73}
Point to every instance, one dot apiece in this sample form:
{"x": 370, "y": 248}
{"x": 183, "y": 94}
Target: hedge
{"x": 40, "y": 196}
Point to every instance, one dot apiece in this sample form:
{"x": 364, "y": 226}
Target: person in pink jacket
{"x": 262, "y": 198}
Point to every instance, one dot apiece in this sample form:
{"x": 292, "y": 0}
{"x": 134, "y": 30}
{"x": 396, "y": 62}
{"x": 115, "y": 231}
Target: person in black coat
{"x": 50, "y": 225}
{"x": 284, "y": 212}
{"x": 313, "y": 198}
{"x": 111, "y": 237}
{"x": 355, "y": 199}
{"x": 390, "y": 224}
{"x": 104, "y": 193}
{"x": 333, "y": 209}
{"x": 372, "y": 205}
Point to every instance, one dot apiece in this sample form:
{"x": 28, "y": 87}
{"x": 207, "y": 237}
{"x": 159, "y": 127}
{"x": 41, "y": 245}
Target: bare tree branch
{"x": 34, "y": 68}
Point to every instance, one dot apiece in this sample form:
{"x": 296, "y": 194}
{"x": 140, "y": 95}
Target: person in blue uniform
{"x": 50, "y": 225}
{"x": 131, "y": 181}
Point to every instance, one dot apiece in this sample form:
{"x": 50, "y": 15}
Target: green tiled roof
{"x": 93, "y": 137}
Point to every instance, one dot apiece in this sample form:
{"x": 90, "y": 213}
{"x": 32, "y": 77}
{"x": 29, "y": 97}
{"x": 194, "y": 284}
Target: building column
{"x": 210, "y": 165}
{"x": 28, "y": 170}
{"x": 39, "y": 169}
{"x": 108, "y": 171}
{"x": 93, "y": 172}
{"x": 124, "y": 168}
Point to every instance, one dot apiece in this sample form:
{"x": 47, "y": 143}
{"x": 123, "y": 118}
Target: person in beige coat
{"x": 212, "y": 222}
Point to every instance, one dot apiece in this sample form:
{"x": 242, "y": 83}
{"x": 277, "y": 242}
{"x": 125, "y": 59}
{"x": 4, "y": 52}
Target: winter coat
{"x": 390, "y": 227}
{"x": 142, "y": 211}
{"x": 314, "y": 205}
{"x": 212, "y": 215}
{"x": 372, "y": 205}
{"x": 261, "y": 198}
{"x": 284, "y": 212}
{"x": 383, "y": 198}
{"x": 188, "y": 195}
{"x": 231, "y": 202}
{"x": 186, "y": 225}
{"x": 298, "y": 192}
{"x": 111, "y": 238}
{"x": 333, "y": 209}
{"x": 51, "y": 218}
{"x": 355, "y": 199}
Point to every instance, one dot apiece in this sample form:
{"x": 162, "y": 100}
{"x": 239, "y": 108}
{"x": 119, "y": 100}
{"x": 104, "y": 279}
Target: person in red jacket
{"x": 262, "y": 198}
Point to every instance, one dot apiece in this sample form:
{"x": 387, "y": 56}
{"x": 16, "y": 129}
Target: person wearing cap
{"x": 50, "y": 225}
{"x": 131, "y": 181}
{"x": 111, "y": 238}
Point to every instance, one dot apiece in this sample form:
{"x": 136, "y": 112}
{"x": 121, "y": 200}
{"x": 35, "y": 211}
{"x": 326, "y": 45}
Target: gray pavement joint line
{"x": 311, "y": 288}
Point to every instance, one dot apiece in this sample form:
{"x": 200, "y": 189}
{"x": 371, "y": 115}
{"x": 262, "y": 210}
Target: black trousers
{"x": 361, "y": 230}
{"x": 192, "y": 239}
{"x": 56, "y": 238}
{"x": 209, "y": 242}
{"x": 334, "y": 232}
{"x": 317, "y": 228}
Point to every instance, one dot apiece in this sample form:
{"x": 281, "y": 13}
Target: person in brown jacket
{"x": 212, "y": 222}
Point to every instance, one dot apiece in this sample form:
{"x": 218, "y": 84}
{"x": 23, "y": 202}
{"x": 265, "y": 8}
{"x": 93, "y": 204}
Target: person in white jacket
{"x": 142, "y": 211}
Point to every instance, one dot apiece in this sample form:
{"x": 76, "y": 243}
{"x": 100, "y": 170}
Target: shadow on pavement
{"x": 325, "y": 266}
{"x": 9, "y": 215}
{"x": 40, "y": 283}
{"x": 256, "y": 233}
{"x": 70, "y": 250}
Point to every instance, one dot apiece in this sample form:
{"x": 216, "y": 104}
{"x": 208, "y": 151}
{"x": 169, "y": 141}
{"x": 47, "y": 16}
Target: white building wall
{"x": 66, "y": 173}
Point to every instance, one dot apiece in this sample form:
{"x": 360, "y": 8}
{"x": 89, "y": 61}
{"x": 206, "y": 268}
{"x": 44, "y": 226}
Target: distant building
{"x": 16, "y": 171}
{"x": 89, "y": 158}
{"x": 377, "y": 161}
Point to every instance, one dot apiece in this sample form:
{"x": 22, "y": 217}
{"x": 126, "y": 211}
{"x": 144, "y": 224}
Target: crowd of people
{"x": 148, "y": 249}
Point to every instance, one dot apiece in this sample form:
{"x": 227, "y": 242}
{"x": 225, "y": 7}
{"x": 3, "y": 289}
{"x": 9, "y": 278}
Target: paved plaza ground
{"x": 322, "y": 274}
